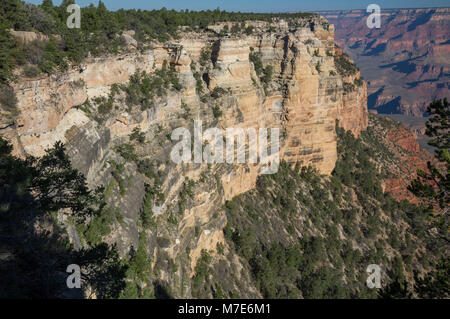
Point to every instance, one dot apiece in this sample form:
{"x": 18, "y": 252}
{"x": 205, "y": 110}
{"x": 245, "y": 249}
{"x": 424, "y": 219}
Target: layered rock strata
{"x": 303, "y": 99}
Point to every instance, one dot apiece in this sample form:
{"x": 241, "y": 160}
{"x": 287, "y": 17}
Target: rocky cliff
{"x": 223, "y": 86}
{"x": 405, "y": 62}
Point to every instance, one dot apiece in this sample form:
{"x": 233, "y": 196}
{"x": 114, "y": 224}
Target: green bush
{"x": 126, "y": 150}
{"x": 235, "y": 29}
{"x": 268, "y": 72}
{"x": 8, "y": 99}
{"x": 264, "y": 74}
{"x": 199, "y": 83}
{"x": 137, "y": 135}
{"x": 10, "y": 54}
{"x": 218, "y": 92}
{"x": 359, "y": 82}
{"x": 344, "y": 66}
{"x": 249, "y": 30}
{"x": 143, "y": 88}
{"x": 52, "y": 58}
{"x": 205, "y": 56}
{"x": 256, "y": 60}
{"x": 201, "y": 268}
{"x": 217, "y": 112}
{"x": 31, "y": 71}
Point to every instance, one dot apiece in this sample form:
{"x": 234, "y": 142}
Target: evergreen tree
{"x": 434, "y": 185}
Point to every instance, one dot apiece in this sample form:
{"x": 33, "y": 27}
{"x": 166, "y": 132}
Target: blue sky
{"x": 260, "y": 5}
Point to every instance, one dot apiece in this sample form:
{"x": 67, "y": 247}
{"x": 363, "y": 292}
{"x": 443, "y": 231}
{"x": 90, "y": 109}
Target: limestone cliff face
{"x": 304, "y": 98}
{"x": 44, "y": 103}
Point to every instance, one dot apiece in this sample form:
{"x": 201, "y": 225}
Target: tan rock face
{"x": 44, "y": 102}
{"x": 352, "y": 109}
{"x": 302, "y": 100}
{"x": 307, "y": 101}
{"x": 25, "y": 37}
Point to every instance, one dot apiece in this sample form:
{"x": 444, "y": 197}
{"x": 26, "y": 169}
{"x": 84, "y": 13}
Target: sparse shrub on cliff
{"x": 104, "y": 105}
{"x": 235, "y": 29}
{"x": 127, "y": 152}
{"x": 146, "y": 213}
{"x": 187, "y": 111}
{"x": 193, "y": 66}
{"x": 217, "y": 112}
{"x": 205, "y": 56}
{"x": 218, "y": 92}
{"x": 33, "y": 51}
{"x": 8, "y": 99}
{"x": 268, "y": 72}
{"x": 318, "y": 67}
{"x": 198, "y": 82}
{"x": 344, "y": 66}
{"x": 100, "y": 225}
{"x": 348, "y": 87}
{"x": 255, "y": 84}
{"x": 264, "y": 74}
{"x": 220, "y": 248}
{"x": 359, "y": 82}
{"x": 117, "y": 173}
{"x": 10, "y": 54}
{"x": 52, "y": 58}
{"x": 143, "y": 88}
{"x": 249, "y": 30}
{"x": 31, "y": 71}
{"x": 201, "y": 270}
{"x": 137, "y": 135}
{"x": 86, "y": 107}
{"x": 257, "y": 63}
{"x": 185, "y": 193}
{"x": 224, "y": 31}
{"x": 163, "y": 37}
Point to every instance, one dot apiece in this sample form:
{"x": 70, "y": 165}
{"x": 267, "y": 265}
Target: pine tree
{"x": 434, "y": 185}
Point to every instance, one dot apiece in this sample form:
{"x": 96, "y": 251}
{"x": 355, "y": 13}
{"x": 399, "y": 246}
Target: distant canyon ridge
{"x": 406, "y": 62}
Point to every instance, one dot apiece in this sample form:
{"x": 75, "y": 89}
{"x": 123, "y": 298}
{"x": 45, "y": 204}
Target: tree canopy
{"x": 100, "y": 30}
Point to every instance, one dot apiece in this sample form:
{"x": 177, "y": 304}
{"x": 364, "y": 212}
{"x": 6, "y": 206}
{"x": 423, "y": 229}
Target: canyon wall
{"x": 405, "y": 62}
{"x": 304, "y": 99}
